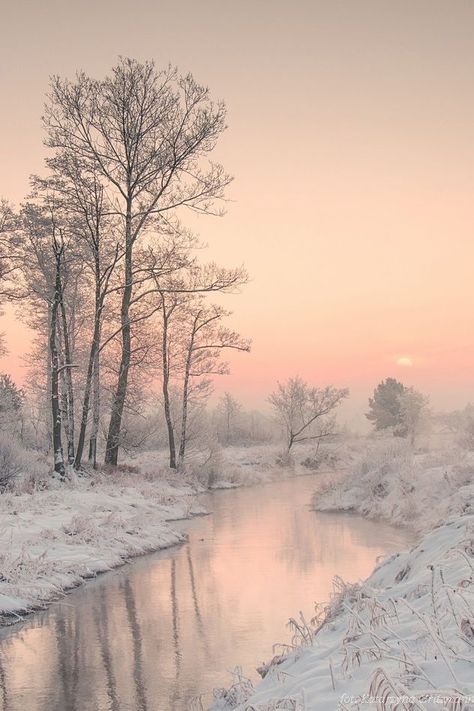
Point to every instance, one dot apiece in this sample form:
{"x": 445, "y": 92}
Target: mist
{"x": 236, "y": 393}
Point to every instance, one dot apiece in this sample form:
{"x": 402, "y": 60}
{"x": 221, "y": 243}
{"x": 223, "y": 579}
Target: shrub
{"x": 466, "y": 437}
{"x": 11, "y": 460}
{"x": 210, "y": 470}
{"x": 312, "y": 463}
{"x": 11, "y": 403}
{"x": 322, "y": 457}
{"x": 36, "y": 473}
{"x": 284, "y": 459}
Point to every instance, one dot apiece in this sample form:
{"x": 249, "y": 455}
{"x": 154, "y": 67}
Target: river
{"x": 167, "y": 628}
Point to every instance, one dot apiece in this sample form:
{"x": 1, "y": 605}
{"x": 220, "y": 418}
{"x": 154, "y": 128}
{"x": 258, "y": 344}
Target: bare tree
{"x": 94, "y": 227}
{"x": 149, "y": 133}
{"x": 12, "y": 399}
{"x": 192, "y": 335}
{"x": 57, "y": 243}
{"x": 230, "y": 408}
{"x": 8, "y": 257}
{"x": 177, "y": 279}
{"x": 167, "y": 310}
{"x": 204, "y": 342}
{"x": 414, "y": 413}
{"x": 304, "y": 410}
{"x": 49, "y": 274}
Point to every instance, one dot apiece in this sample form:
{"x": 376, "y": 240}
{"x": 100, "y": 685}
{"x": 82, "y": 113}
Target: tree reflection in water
{"x": 166, "y": 629}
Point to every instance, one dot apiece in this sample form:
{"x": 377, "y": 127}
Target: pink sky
{"x": 350, "y": 137}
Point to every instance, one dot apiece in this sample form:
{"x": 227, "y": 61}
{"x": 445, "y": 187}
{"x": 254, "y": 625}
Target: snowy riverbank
{"x": 54, "y": 536}
{"x": 404, "y": 638}
{"x": 387, "y": 480}
{"x": 52, "y": 540}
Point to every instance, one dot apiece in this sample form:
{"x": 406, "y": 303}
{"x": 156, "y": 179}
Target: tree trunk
{"x": 184, "y": 416}
{"x": 55, "y": 406}
{"x": 85, "y": 404}
{"x": 113, "y": 436}
{"x": 47, "y": 395}
{"x": 291, "y": 440}
{"x": 95, "y": 413}
{"x": 92, "y": 367}
{"x": 66, "y": 374}
{"x": 166, "y": 394}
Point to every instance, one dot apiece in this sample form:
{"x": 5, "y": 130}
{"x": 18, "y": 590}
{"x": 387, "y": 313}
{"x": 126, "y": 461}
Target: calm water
{"x": 167, "y": 628}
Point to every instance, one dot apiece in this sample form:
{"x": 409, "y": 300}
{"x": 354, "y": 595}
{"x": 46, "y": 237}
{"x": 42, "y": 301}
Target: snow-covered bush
{"x": 377, "y": 483}
{"x": 208, "y": 469}
{"x": 323, "y": 457}
{"x": 11, "y": 403}
{"x": 285, "y": 459}
{"x": 11, "y": 460}
{"x": 35, "y": 474}
{"x": 313, "y": 462}
{"x": 392, "y": 482}
{"x": 21, "y": 470}
{"x": 462, "y": 475}
{"x": 466, "y": 435}
{"x": 238, "y": 693}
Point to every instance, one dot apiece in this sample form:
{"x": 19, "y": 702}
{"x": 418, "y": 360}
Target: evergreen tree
{"x": 385, "y": 406}
{"x": 11, "y": 402}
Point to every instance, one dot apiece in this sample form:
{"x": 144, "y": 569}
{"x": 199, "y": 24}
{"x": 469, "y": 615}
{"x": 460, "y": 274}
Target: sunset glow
{"x": 405, "y": 362}
{"x": 352, "y": 200}
{"x": 236, "y": 355}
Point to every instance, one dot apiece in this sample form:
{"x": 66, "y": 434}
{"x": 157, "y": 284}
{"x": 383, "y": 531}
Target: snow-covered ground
{"x": 386, "y": 479}
{"x": 404, "y": 638}
{"x": 51, "y": 540}
{"x": 234, "y": 466}
{"x": 53, "y": 536}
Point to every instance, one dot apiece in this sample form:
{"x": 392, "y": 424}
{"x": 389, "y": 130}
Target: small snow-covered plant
{"x": 322, "y": 457}
{"x": 343, "y": 593}
{"x": 302, "y": 631}
{"x": 312, "y": 462}
{"x": 284, "y": 459}
{"x": 152, "y": 474}
{"x": 16, "y": 568}
{"x": 211, "y": 468}
{"x": 83, "y": 528}
{"x": 288, "y": 703}
{"x": 466, "y": 436}
{"x": 384, "y": 458}
{"x": 391, "y": 695}
{"x": 115, "y": 469}
{"x": 35, "y": 475}
{"x": 242, "y": 689}
{"x": 11, "y": 460}
{"x": 461, "y": 475}
{"x": 327, "y": 484}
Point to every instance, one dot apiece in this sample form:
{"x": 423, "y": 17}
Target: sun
{"x": 405, "y": 361}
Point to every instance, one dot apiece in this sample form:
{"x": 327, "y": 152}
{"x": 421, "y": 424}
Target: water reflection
{"x": 155, "y": 635}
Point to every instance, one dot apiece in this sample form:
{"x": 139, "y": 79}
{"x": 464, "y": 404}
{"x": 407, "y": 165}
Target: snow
{"x": 404, "y": 638}
{"x": 406, "y": 631}
{"x": 386, "y": 479}
{"x": 52, "y": 540}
